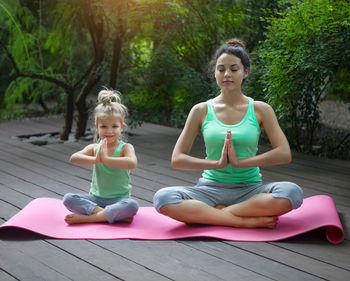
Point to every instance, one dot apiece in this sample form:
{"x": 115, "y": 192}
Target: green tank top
{"x": 246, "y": 137}
{"x": 110, "y": 182}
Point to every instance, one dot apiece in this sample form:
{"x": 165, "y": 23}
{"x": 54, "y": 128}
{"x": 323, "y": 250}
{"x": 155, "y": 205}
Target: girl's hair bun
{"x": 106, "y": 97}
{"x": 237, "y": 43}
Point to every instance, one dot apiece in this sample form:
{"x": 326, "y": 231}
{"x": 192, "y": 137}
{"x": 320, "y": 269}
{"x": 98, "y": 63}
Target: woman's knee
{"x": 165, "y": 197}
{"x": 293, "y": 193}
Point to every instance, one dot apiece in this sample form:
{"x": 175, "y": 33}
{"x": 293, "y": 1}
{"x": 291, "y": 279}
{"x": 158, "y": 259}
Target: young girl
{"x": 109, "y": 199}
{"x": 231, "y": 191}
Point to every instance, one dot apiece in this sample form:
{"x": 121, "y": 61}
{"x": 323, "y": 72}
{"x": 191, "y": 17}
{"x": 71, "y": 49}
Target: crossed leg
{"x": 97, "y": 215}
{"x": 261, "y": 210}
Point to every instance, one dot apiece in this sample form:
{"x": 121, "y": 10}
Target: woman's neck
{"x": 231, "y": 97}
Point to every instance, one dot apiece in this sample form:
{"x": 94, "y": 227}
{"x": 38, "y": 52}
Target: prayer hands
{"x": 102, "y": 152}
{"x": 224, "y": 160}
{"x": 228, "y": 154}
{"x": 232, "y": 154}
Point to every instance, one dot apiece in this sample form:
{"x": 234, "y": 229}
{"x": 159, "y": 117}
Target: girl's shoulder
{"x": 127, "y": 149}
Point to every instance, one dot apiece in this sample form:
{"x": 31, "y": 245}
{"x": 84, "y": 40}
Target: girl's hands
{"x": 102, "y": 152}
{"x": 232, "y": 154}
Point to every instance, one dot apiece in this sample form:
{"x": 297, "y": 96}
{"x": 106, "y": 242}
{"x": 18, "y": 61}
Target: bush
{"x": 305, "y": 53}
{"x": 165, "y": 90}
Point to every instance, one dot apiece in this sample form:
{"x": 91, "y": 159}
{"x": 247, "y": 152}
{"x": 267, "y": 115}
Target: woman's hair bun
{"x": 234, "y": 42}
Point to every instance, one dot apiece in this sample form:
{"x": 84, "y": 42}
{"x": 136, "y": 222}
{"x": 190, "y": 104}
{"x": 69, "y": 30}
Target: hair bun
{"x": 108, "y": 96}
{"x": 234, "y": 42}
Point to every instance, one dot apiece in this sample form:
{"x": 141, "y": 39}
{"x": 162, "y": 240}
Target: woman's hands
{"x": 232, "y": 154}
{"x": 228, "y": 155}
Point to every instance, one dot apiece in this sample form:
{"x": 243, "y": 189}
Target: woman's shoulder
{"x": 263, "y": 111}
{"x": 201, "y": 106}
{"x": 262, "y": 107}
{"x": 199, "y": 111}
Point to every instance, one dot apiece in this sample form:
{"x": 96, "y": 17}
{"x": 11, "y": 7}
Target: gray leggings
{"x": 217, "y": 193}
{"x": 115, "y": 209}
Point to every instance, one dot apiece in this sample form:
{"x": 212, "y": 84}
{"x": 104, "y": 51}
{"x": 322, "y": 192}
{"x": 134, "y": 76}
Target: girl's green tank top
{"x": 245, "y": 136}
{"x": 110, "y": 182}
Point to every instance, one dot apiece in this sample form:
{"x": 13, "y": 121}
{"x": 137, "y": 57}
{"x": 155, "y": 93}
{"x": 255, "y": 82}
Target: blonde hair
{"x": 109, "y": 105}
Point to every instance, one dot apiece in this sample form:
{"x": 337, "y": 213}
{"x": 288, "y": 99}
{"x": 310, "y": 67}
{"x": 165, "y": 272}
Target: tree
{"x": 306, "y": 46}
{"x": 45, "y": 50}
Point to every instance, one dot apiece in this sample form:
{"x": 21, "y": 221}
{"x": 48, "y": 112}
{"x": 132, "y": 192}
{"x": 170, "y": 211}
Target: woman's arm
{"x": 181, "y": 159}
{"x": 85, "y": 156}
{"x": 126, "y": 161}
{"x": 280, "y": 152}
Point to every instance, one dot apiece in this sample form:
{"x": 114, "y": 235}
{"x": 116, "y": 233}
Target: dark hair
{"x": 234, "y": 47}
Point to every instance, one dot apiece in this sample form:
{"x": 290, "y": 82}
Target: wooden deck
{"x": 28, "y": 172}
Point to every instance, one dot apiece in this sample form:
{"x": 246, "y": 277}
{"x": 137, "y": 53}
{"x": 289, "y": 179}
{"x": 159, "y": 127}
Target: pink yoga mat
{"x": 45, "y": 216}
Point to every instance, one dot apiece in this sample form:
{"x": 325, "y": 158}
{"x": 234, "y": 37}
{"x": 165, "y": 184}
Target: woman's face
{"x": 229, "y": 72}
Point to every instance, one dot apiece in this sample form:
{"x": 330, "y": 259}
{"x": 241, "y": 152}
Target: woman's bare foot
{"x": 257, "y": 222}
{"x": 219, "y": 207}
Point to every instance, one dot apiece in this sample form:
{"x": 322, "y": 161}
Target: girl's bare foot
{"x": 94, "y": 217}
{"x": 76, "y": 219}
{"x": 128, "y": 220}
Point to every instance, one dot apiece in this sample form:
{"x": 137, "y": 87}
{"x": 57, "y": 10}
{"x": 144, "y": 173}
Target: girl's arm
{"x": 280, "y": 152}
{"x": 126, "y": 161}
{"x": 85, "y": 156}
{"x": 181, "y": 159}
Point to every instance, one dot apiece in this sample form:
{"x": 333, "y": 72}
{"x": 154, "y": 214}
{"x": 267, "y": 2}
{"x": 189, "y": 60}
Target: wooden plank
{"x": 28, "y": 171}
{"x": 39, "y": 257}
{"x": 21, "y": 267}
{"x": 335, "y": 255}
{"x": 107, "y": 260}
{"x": 303, "y": 263}
{"x": 250, "y": 260}
{"x": 7, "y": 209}
{"x": 179, "y": 262}
{"x": 6, "y": 276}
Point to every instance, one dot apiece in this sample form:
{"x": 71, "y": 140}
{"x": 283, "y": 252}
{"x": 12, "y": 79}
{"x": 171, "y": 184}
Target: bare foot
{"x": 219, "y": 207}
{"x": 77, "y": 219}
{"x": 128, "y": 220}
{"x": 259, "y": 222}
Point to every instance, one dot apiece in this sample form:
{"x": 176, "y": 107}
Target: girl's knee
{"x": 132, "y": 206}
{"x": 68, "y": 199}
{"x": 127, "y": 205}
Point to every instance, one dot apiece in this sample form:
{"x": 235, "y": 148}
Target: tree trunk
{"x": 117, "y": 47}
{"x": 83, "y": 110}
{"x": 68, "y": 117}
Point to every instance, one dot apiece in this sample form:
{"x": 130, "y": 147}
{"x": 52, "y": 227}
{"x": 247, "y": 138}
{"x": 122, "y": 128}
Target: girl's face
{"x": 109, "y": 128}
{"x": 229, "y": 72}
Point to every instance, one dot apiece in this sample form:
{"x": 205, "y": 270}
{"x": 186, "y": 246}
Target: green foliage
{"x": 305, "y": 48}
{"x": 160, "y": 97}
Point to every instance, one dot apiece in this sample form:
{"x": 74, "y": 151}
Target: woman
{"x": 231, "y": 191}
